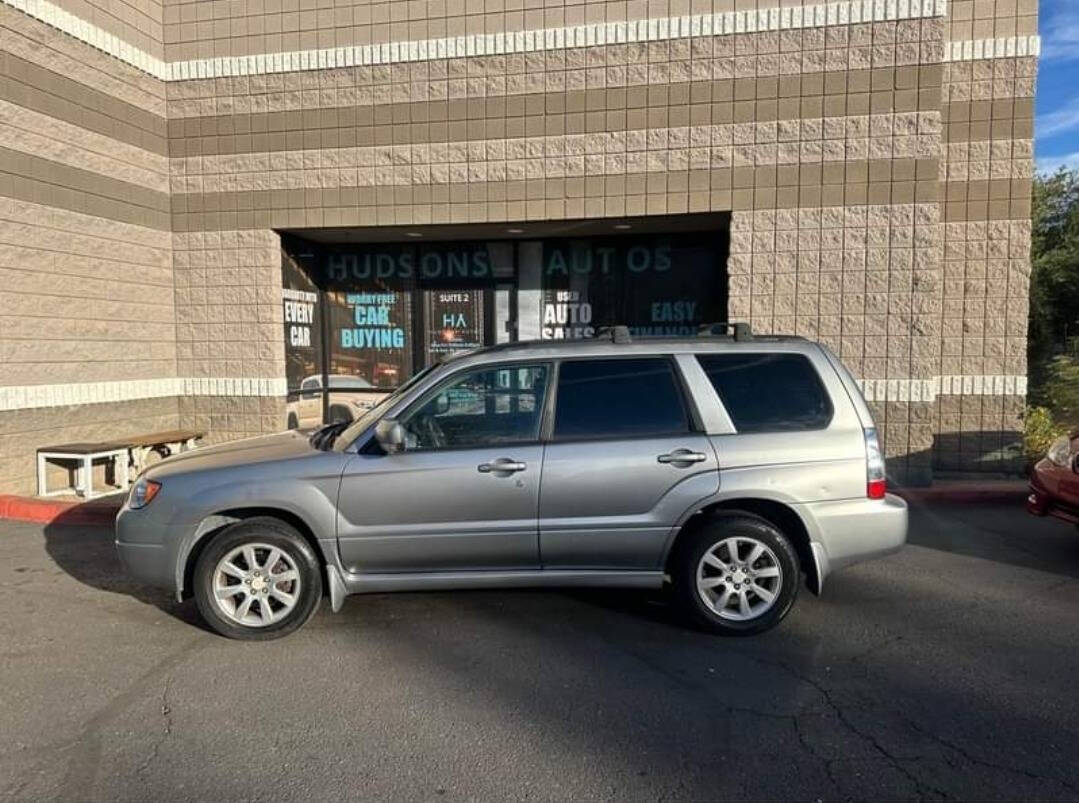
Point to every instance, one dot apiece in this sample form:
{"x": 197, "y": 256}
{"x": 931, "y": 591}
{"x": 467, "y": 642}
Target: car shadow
{"x": 83, "y": 547}
{"x": 999, "y": 532}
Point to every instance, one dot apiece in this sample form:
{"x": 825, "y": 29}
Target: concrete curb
{"x": 968, "y": 492}
{"x": 47, "y": 511}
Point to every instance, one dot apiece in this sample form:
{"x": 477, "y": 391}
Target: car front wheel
{"x": 257, "y": 580}
{"x": 736, "y": 575}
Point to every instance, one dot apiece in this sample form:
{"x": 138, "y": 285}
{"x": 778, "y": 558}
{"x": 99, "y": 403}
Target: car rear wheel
{"x": 257, "y": 580}
{"x": 737, "y": 575}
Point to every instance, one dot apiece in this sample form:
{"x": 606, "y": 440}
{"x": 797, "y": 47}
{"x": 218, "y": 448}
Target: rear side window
{"x": 618, "y": 399}
{"x": 769, "y": 392}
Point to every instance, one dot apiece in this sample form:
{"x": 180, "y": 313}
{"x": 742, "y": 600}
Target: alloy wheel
{"x": 256, "y": 584}
{"x": 739, "y": 578}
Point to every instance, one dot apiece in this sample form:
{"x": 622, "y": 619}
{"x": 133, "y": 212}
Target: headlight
{"x": 143, "y": 493}
{"x": 1061, "y": 451}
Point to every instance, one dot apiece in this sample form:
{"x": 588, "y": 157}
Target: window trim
{"x": 693, "y": 422}
{"x": 433, "y": 391}
{"x": 825, "y": 393}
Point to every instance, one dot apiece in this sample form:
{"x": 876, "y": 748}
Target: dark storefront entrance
{"x": 363, "y": 315}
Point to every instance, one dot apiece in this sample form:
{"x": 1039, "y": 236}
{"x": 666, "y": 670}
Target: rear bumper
{"x": 853, "y": 530}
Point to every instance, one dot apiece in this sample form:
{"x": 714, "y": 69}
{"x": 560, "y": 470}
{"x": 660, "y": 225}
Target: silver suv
{"x": 723, "y": 466}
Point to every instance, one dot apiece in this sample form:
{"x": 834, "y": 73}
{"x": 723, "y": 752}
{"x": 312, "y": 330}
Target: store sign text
{"x": 567, "y": 317}
{"x": 466, "y": 264}
{"x": 374, "y": 328}
{"x": 602, "y": 260}
{"x": 299, "y": 316}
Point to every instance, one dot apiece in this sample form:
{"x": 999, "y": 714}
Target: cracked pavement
{"x": 944, "y": 672}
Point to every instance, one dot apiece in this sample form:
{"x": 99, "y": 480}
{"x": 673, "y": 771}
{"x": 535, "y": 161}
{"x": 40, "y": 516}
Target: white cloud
{"x": 1050, "y": 164}
{"x": 1058, "y": 121}
{"x": 1060, "y": 39}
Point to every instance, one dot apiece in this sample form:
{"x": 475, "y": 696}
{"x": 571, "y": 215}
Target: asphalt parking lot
{"x": 946, "y": 671}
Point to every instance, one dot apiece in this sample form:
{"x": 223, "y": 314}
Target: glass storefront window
{"x": 655, "y": 285}
{"x": 362, "y": 318}
{"x": 302, "y": 315}
{"x": 455, "y": 322}
{"x": 370, "y": 335}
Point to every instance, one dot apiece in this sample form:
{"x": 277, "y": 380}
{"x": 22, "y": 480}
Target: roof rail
{"x": 616, "y": 334}
{"x": 741, "y": 331}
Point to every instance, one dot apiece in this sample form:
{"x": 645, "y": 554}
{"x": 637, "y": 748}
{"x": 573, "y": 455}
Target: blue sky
{"x": 1056, "y": 129}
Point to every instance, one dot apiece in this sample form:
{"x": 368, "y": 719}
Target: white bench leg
{"x": 123, "y": 466}
{"x": 42, "y": 476}
{"x": 84, "y": 484}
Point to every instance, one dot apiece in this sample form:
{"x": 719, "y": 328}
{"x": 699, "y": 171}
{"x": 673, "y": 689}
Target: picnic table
{"x": 127, "y": 456}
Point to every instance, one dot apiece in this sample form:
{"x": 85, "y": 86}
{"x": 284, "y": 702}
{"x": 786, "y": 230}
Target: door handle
{"x": 682, "y": 456}
{"x": 503, "y": 465}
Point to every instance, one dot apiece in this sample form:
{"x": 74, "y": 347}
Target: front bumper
{"x": 146, "y": 554}
{"x": 852, "y": 530}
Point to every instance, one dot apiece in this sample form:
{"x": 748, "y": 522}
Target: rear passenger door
{"x": 624, "y": 460}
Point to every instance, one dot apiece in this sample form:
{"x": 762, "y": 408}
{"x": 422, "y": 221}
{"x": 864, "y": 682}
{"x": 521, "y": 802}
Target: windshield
{"x": 353, "y": 431}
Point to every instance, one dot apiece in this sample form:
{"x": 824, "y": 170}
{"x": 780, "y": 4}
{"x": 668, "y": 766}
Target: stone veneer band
{"x": 848, "y": 12}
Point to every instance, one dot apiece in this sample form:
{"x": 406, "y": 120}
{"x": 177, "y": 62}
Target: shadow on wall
{"x": 979, "y": 451}
{"x": 991, "y": 453}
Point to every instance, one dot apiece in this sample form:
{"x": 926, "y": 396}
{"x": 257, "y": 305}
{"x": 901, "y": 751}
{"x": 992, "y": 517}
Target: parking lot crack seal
{"x": 166, "y": 713}
{"x": 895, "y": 762}
{"x": 88, "y": 745}
{"x": 967, "y": 756}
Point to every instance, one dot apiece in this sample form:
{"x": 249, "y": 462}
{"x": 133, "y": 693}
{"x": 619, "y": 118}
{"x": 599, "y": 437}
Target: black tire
{"x": 273, "y": 533}
{"x": 735, "y": 524}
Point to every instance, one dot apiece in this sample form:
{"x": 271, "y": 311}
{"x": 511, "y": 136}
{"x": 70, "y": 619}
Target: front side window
{"x": 623, "y": 398}
{"x": 485, "y": 407}
{"x": 769, "y": 392}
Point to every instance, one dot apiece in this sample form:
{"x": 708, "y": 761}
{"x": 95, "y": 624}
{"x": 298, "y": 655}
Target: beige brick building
{"x": 863, "y": 169}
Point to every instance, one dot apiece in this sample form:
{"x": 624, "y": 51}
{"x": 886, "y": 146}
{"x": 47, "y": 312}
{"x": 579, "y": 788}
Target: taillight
{"x": 876, "y": 483}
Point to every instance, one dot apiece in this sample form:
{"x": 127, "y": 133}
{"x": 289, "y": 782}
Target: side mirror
{"x": 390, "y": 436}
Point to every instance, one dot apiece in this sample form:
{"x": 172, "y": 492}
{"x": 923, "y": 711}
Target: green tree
{"x": 1054, "y": 280}
{"x": 1053, "y": 351}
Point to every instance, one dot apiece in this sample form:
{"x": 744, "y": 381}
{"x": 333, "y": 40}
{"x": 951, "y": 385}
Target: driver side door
{"x": 464, "y": 493}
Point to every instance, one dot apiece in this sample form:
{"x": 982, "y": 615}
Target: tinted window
{"x": 480, "y": 408}
{"x": 618, "y": 398}
{"x": 769, "y": 392}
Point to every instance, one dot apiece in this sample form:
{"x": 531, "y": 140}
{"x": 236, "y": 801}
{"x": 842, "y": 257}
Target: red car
{"x": 1054, "y": 482}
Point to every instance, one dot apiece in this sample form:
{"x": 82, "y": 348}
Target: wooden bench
{"x": 164, "y": 444}
{"x": 128, "y": 457}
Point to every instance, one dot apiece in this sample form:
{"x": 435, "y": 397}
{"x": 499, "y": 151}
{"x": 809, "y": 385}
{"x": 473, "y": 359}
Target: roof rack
{"x": 741, "y": 331}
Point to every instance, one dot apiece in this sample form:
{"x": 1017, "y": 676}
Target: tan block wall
{"x": 989, "y": 142}
{"x": 137, "y": 22}
{"x": 878, "y": 193}
{"x": 209, "y": 28}
{"x": 82, "y": 298}
{"x": 990, "y": 19}
{"x": 826, "y": 144}
{"x": 229, "y": 323}
{"x": 86, "y": 277}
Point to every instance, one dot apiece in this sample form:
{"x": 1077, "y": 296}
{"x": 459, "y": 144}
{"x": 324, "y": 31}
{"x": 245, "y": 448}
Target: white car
{"x": 350, "y": 397}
